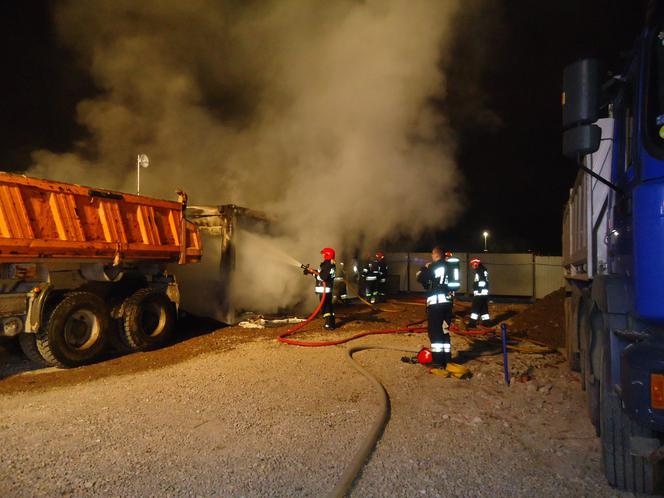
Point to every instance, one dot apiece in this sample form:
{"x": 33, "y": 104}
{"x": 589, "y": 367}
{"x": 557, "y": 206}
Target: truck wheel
{"x": 116, "y": 337}
{"x": 623, "y": 470}
{"x": 590, "y": 329}
{"x": 148, "y": 319}
{"x": 75, "y": 331}
{"x": 28, "y": 343}
{"x": 574, "y": 309}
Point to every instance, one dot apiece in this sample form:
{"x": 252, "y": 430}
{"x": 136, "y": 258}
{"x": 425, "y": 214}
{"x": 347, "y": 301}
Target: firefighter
{"x": 326, "y": 273}
{"x": 480, "y": 307}
{"x": 374, "y": 274}
{"x": 382, "y": 276}
{"x": 434, "y": 277}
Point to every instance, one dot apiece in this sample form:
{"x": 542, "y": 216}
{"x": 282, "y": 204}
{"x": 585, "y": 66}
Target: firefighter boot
{"x": 329, "y": 322}
{"x": 438, "y": 360}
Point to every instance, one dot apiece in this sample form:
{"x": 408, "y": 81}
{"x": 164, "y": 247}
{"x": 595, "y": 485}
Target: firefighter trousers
{"x": 439, "y": 317}
{"x": 480, "y": 309}
{"x": 328, "y": 310}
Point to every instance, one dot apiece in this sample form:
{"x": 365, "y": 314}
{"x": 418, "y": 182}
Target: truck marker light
{"x": 657, "y": 391}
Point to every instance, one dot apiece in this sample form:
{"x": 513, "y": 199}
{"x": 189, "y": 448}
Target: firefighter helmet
{"x": 328, "y": 253}
{"x": 424, "y": 357}
{"x": 448, "y": 254}
{"x": 380, "y": 255}
{"x": 475, "y": 262}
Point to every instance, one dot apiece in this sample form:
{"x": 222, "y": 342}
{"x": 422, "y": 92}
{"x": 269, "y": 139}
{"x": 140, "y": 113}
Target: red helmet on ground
{"x": 328, "y": 253}
{"x": 380, "y": 255}
{"x": 424, "y": 356}
{"x": 475, "y": 262}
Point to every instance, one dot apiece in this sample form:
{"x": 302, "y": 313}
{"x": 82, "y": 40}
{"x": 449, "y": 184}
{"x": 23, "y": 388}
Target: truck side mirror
{"x": 582, "y": 140}
{"x": 581, "y": 91}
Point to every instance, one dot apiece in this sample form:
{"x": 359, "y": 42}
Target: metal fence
{"x": 510, "y": 274}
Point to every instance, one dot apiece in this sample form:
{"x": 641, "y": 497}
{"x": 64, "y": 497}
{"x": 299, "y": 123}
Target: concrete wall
{"x": 548, "y": 275}
{"x": 510, "y": 274}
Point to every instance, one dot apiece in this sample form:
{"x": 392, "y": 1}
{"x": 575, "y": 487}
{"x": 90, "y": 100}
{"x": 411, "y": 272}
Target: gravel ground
{"x": 233, "y": 413}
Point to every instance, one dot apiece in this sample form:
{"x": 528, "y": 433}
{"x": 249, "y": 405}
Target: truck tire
{"x": 116, "y": 337}
{"x": 28, "y": 343}
{"x": 75, "y": 331}
{"x": 590, "y": 330}
{"x": 623, "y": 470}
{"x": 148, "y": 319}
{"x": 574, "y": 308}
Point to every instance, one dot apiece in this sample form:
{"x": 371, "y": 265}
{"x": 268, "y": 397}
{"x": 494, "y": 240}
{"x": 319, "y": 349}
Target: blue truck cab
{"x": 613, "y": 254}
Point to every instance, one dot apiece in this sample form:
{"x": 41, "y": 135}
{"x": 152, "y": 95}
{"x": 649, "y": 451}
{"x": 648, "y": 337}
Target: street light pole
{"x": 142, "y": 161}
{"x": 485, "y": 234}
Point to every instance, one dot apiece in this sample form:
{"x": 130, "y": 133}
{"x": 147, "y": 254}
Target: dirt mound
{"x": 544, "y": 321}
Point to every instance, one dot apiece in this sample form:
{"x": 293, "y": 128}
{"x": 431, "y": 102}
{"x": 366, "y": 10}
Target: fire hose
{"x": 356, "y": 293}
{"x": 369, "y": 443}
{"x": 361, "y": 456}
{"x": 358, "y": 461}
{"x": 316, "y": 344}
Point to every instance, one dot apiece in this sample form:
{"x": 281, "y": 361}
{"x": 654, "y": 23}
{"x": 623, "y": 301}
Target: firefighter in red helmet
{"x": 325, "y": 274}
{"x": 375, "y": 277}
{"x": 382, "y": 276}
{"x": 480, "y": 307}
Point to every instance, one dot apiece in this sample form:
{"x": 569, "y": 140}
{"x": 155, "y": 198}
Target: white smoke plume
{"x": 317, "y": 112}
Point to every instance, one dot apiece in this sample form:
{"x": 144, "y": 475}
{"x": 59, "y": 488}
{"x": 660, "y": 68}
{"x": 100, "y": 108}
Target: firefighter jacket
{"x": 481, "y": 281}
{"x": 435, "y": 279}
{"x": 326, "y": 273}
{"x": 375, "y": 270}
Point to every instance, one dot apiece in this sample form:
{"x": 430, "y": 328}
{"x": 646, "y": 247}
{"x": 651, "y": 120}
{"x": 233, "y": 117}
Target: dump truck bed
{"x": 45, "y": 219}
{"x": 586, "y": 216}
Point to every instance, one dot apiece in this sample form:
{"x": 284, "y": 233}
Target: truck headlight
{"x": 12, "y": 326}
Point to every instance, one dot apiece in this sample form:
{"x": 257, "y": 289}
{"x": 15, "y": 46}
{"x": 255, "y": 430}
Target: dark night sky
{"x": 516, "y": 181}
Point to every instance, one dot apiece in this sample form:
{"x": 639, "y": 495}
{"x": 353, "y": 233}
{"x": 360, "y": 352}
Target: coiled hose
{"x": 355, "y": 466}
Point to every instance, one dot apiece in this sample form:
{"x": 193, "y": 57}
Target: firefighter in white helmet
{"x": 480, "y": 307}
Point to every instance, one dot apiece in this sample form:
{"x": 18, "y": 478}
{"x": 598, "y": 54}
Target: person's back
{"x": 434, "y": 278}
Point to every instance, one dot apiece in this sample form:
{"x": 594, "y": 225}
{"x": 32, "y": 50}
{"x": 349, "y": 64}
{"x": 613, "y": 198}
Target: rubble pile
{"x": 544, "y": 321}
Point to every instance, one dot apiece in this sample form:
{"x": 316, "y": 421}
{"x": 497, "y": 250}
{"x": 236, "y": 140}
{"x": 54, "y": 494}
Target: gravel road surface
{"x": 234, "y": 413}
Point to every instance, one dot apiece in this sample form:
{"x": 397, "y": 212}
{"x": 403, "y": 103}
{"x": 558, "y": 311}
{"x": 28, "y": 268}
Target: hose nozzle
{"x": 308, "y": 270}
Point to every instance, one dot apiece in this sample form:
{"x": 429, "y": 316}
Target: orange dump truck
{"x": 82, "y": 268}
